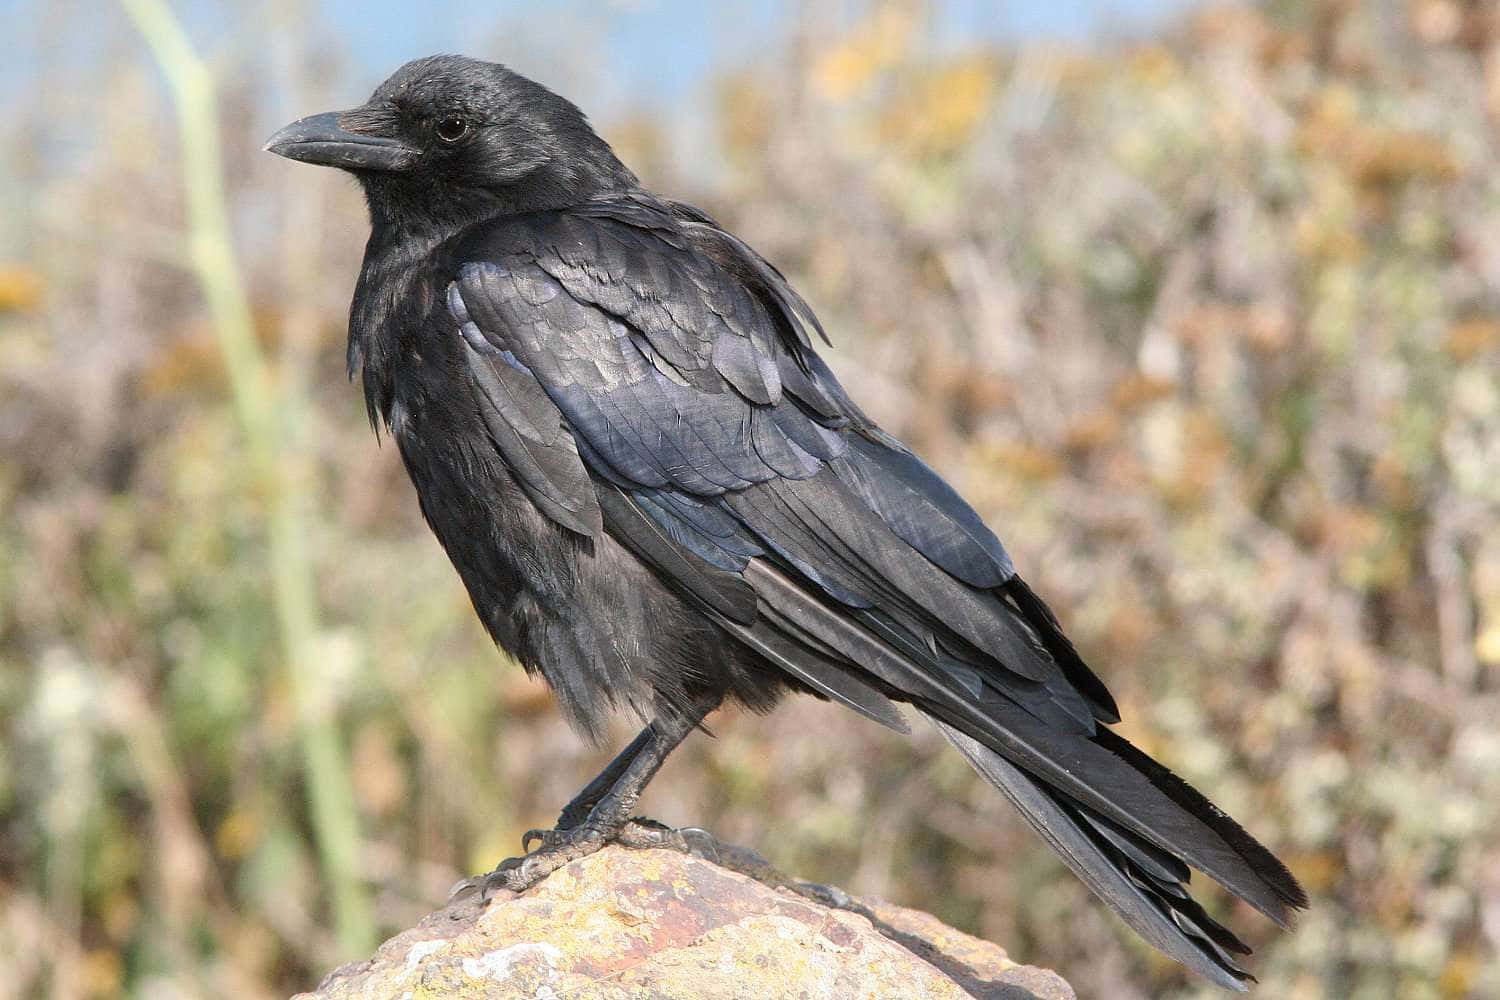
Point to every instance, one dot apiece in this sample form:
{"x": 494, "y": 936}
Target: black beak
{"x": 320, "y": 139}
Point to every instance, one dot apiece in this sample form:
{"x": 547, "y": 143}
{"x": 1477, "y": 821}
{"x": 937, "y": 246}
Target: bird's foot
{"x": 558, "y": 847}
{"x": 643, "y": 833}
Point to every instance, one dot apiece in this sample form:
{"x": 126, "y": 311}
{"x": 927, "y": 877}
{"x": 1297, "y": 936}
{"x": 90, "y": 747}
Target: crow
{"x": 660, "y": 498}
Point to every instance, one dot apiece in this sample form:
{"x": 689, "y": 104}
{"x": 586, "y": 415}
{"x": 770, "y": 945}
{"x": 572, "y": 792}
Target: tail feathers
{"x": 1040, "y": 617}
{"x": 1267, "y": 867}
{"x": 1143, "y": 883}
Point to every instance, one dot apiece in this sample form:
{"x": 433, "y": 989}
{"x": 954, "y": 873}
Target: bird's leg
{"x": 601, "y": 812}
{"x": 576, "y": 811}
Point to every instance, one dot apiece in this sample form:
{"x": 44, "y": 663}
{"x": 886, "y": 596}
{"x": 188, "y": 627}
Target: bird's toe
{"x": 641, "y": 832}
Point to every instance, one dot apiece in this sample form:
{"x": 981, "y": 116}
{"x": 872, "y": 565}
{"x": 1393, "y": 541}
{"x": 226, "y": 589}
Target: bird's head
{"x": 447, "y": 141}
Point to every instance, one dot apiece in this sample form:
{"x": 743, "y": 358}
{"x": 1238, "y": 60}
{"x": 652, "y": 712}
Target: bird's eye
{"x": 451, "y": 128}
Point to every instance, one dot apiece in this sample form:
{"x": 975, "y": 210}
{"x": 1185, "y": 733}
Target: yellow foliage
{"x": 1373, "y": 155}
{"x": 1093, "y": 430}
{"x": 1437, "y": 21}
{"x": 1469, "y": 338}
{"x": 20, "y": 289}
{"x": 120, "y": 913}
{"x": 1192, "y": 472}
{"x": 1138, "y": 389}
{"x": 1154, "y": 65}
{"x": 525, "y": 696}
{"x": 941, "y": 112}
{"x": 1075, "y": 69}
{"x": 103, "y": 972}
{"x": 875, "y": 46}
{"x": 1458, "y": 976}
{"x": 379, "y": 781}
{"x": 746, "y": 115}
{"x": 1026, "y": 461}
{"x": 237, "y": 834}
{"x": 1262, "y": 325}
{"x": 1350, "y": 529}
{"x": 1129, "y": 629}
{"x": 1318, "y": 871}
{"x": 1393, "y": 156}
{"x": 192, "y": 361}
{"x": 1228, "y": 24}
{"x": 1487, "y": 646}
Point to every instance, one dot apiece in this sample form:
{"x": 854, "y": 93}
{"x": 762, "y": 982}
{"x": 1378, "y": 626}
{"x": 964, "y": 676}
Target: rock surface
{"x": 652, "y": 925}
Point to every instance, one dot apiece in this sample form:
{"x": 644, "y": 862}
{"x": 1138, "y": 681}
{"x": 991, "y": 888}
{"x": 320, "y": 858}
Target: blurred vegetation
{"x": 1206, "y": 324}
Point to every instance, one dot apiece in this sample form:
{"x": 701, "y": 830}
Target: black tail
{"x": 1143, "y": 882}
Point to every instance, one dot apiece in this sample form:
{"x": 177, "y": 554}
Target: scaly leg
{"x": 600, "y": 813}
{"x": 575, "y": 812}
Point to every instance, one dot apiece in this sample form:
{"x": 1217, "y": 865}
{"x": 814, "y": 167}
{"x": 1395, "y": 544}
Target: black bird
{"x": 659, "y": 497}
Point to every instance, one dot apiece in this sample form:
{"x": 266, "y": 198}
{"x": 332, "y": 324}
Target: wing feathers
{"x": 925, "y": 512}
{"x": 704, "y": 434}
{"x": 526, "y": 428}
{"x": 726, "y": 593}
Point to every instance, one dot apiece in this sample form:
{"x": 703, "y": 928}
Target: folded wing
{"x": 647, "y": 375}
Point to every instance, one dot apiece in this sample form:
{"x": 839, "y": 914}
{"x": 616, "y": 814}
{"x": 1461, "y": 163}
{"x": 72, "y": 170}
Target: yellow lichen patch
{"x": 771, "y": 955}
{"x": 628, "y": 911}
{"x": 590, "y": 931}
{"x": 652, "y": 865}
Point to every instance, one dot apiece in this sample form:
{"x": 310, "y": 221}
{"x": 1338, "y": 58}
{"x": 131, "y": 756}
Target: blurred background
{"x": 1200, "y": 305}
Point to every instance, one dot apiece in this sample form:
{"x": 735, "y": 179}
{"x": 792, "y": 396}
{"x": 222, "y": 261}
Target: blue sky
{"x": 645, "y": 52}
{"x": 657, "y": 48}
{"x": 648, "y": 52}
{"x": 610, "y": 56}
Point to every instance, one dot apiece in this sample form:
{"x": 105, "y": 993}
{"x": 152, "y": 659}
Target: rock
{"x": 658, "y": 924}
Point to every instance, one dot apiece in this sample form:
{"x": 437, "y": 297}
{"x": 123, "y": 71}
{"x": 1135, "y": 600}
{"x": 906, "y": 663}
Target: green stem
{"x": 263, "y": 418}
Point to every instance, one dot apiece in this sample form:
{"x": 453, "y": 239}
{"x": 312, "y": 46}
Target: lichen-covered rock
{"x": 650, "y": 925}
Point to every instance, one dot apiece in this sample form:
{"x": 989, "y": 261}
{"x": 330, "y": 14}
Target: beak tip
{"x": 322, "y": 141}
{"x": 281, "y": 142}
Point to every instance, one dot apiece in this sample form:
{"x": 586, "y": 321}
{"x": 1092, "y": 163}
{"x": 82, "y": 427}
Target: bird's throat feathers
{"x": 393, "y": 294}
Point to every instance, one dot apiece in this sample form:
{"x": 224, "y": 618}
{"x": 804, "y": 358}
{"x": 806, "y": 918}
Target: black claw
{"x": 649, "y": 822}
{"x": 641, "y": 832}
{"x": 700, "y": 843}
